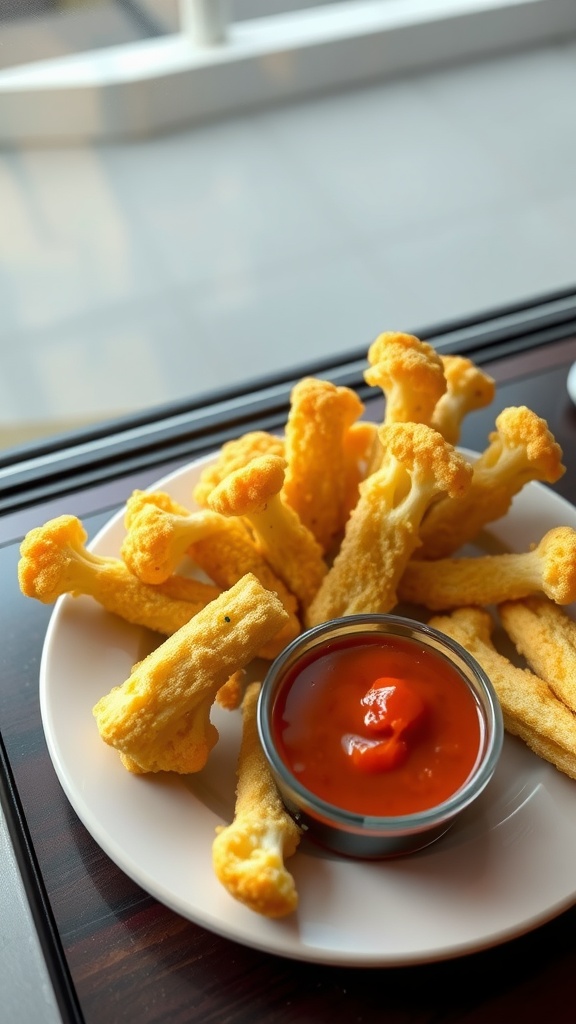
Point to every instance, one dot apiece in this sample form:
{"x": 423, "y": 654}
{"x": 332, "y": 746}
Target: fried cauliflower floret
{"x": 549, "y": 567}
{"x": 254, "y": 493}
{"x": 529, "y": 708}
{"x": 382, "y": 531}
{"x": 159, "y": 718}
{"x": 248, "y": 855}
{"x": 520, "y": 449}
{"x": 227, "y": 556}
{"x": 321, "y": 414}
{"x": 467, "y": 388}
{"x": 411, "y": 375}
{"x": 234, "y": 455}
{"x": 157, "y": 539}
{"x": 55, "y": 561}
{"x": 224, "y": 555}
{"x": 139, "y": 500}
{"x": 545, "y": 635}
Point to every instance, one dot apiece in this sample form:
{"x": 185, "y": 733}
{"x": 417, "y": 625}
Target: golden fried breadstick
{"x": 232, "y": 456}
{"x": 248, "y": 855}
{"x": 530, "y": 709}
{"x": 546, "y": 636}
{"x": 382, "y": 531}
{"x": 519, "y": 450}
{"x": 315, "y": 483}
{"x": 159, "y": 719}
{"x": 489, "y": 579}
{"x": 55, "y": 561}
{"x": 254, "y": 493}
{"x": 467, "y": 388}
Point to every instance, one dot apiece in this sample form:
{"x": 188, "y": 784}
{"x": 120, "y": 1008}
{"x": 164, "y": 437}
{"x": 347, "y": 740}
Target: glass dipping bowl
{"x": 357, "y": 834}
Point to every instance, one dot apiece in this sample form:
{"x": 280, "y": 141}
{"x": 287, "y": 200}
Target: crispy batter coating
{"x": 360, "y": 440}
{"x": 489, "y": 579}
{"x": 139, "y": 500}
{"x": 315, "y": 485}
{"x": 55, "y": 561}
{"x": 249, "y": 854}
{"x": 530, "y": 709}
{"x": 227, "y": 556}
{"x": 254, "y": 493}
{"x": 159, "y": 719}
{"x": 157, "y": 538}
{"x": 224, "y": 555}
{"x": 521, "y": 449}
{"x": 230, "y": 694}
{"x": 234, "y": 455}
{"x": 546, "y": 637}
{"x": 467, "y": 388}
{"x": 411, "y": 375}
{"x": 382, "y": 531}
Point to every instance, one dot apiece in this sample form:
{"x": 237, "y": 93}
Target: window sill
{"x": 141, "y": 88}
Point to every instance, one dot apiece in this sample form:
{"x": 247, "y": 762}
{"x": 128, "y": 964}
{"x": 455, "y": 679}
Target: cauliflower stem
{"x": 248, "y": 855}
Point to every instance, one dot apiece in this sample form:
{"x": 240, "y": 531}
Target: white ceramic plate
{"x": 507, "y": 866}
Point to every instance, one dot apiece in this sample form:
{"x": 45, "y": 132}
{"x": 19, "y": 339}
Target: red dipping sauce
{"x": 378, "y": 726}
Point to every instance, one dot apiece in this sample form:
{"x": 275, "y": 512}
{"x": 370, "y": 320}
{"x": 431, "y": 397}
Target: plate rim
{"x": 212, "y": 922}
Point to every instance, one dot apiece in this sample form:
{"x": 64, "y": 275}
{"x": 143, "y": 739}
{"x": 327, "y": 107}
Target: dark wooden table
{"x": 116, "y": 955}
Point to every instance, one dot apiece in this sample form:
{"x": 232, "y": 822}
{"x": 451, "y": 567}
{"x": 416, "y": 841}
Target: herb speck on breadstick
{"x": 159, "y": 718}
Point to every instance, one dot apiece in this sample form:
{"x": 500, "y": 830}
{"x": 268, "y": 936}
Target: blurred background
{"x": 194, "y": 193}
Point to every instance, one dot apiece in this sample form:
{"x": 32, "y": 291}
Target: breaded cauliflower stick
{"x": 159, "y": 719}
{"x": 254, "y": 493}
{"x": 234, "y": 455}
{"x": 467, "y": 388}
{"x": 55, "y": 561}
{"x": 490, "y": 579}
{"x": 546, "y": 636}
{"x": 160, "y": 532}
{"x": 410, "y": 373}
{"x": 530, "y": 708}
{"x": 158, "y": 537}
{"x": 321, "y": 415}
{"x": 519, "y": 450}
{"x": 382, "y": 531}
{"x": 248, "y": 855}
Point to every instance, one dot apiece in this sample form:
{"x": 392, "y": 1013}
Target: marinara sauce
{"x": 377, "y": 726}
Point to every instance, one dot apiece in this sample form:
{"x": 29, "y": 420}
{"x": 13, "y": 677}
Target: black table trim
{"x": 39, "y": 903}
{"x": 528, "y": 327}
{"x": 61, "y": 464}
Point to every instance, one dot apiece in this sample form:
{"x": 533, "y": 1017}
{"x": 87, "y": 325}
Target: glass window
{"x": 197, "y": 194}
